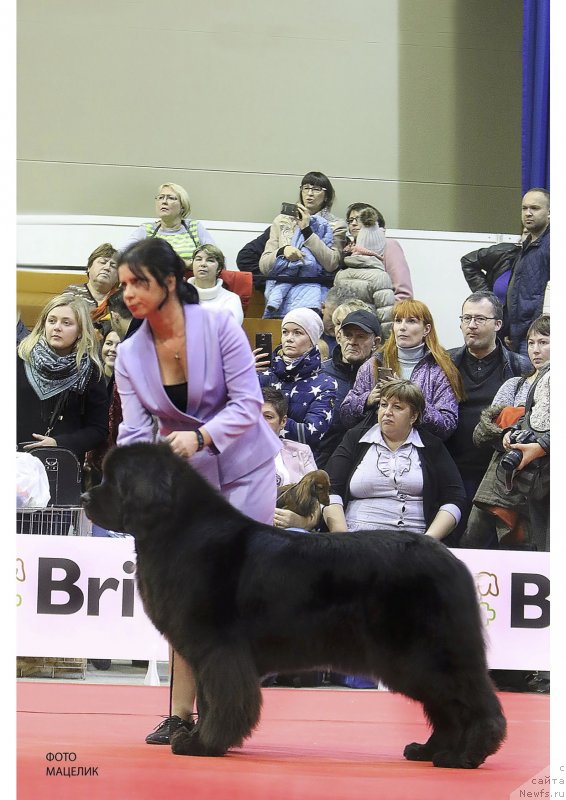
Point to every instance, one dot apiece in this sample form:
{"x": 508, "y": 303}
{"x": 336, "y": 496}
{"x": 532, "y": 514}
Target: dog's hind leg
{"x": 483, "y": 730}
{"x": 228, "y": 701}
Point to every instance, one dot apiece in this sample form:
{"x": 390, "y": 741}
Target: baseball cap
{"x": 365, "y": 320}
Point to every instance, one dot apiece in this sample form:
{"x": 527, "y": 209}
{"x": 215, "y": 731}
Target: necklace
{"x": 175, "y": 352}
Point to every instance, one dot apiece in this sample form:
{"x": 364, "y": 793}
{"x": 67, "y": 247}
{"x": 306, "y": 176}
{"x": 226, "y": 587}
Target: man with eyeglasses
{"x": 484, "y": 364}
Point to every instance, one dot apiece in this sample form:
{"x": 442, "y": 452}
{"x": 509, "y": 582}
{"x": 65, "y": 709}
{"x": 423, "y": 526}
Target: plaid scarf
{"x": 50, "y": 374}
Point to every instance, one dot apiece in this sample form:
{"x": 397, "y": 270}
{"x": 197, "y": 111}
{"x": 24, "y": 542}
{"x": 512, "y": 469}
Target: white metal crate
{"x": 53, "y": 521}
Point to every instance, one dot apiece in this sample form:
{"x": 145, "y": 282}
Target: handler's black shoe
{"x": 166, "y": 728}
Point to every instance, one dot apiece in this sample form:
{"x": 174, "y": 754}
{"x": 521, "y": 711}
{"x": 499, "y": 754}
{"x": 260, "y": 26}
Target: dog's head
{"x": 320, "y": 486}
{"x": 141, "y": 490}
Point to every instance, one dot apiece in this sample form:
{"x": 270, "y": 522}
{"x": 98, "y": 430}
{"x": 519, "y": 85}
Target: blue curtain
{"x": 535, "y": 129}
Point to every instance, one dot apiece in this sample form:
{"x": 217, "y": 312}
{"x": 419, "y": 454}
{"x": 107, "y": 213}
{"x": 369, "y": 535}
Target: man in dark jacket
{"x": 484, "y": 364}
{"x": 357, "y": 340}
{"x": 525, "y": 295}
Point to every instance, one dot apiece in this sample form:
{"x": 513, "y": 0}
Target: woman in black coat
{"x": 61, "y": 391}
{"x": 388, "y": 474}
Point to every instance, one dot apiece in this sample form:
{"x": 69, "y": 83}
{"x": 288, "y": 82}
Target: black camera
{"x": 512, "y": 458}
{"x": 290, "y": 209}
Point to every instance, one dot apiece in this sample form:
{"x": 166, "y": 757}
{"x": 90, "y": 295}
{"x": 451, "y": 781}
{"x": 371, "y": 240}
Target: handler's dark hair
{"x": 277, "y": 399}
{"x": 160, "y": 260}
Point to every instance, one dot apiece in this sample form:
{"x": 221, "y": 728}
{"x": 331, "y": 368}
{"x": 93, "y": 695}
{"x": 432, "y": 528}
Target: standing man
{"x": 357, "y": 339}
{"x": 525, "y": 294}
{"x": 484, "y": 364}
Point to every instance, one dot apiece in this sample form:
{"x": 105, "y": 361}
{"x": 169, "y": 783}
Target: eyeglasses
{"x": 352, "y": 220}
{"x": 312, "y": 189}
{"x": 162, "y": 197}
{"x": 467, "y": 318}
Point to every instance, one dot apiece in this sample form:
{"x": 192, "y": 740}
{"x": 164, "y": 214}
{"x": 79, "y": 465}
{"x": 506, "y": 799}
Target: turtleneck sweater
{"x": 409, "y": 357}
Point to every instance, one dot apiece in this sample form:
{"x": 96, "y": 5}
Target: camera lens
{"x": 511, "y": 460}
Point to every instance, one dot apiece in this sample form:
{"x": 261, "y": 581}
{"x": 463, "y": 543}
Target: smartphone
{"x": 384, "y": 372}
{"x": 265, "y": 341}
{"x": 290, "y": 209}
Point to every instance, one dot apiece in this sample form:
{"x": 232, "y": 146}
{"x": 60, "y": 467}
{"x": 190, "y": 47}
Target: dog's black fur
{"x": 239, "y": 600}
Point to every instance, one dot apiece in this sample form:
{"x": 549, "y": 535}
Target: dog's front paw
{"x": 417, "y": 752}
{"x": 185, "y": 742}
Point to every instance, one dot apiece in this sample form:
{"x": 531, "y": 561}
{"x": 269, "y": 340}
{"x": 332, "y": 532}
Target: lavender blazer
{"x": 223, "y": 395}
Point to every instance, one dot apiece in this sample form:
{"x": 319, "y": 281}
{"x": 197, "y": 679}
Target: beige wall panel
{"x": 413, "y": 105}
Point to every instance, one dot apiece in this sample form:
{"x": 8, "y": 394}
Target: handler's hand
{"x": 42, "y": 441}
{"x": 262, "y": 360}
{"x": 183, "y": 443}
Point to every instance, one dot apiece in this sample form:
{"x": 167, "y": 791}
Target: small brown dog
{"x": 304, "y": 497}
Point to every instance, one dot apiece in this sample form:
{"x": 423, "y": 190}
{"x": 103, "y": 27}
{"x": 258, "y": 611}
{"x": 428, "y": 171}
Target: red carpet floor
{"x": 310, "y": 745}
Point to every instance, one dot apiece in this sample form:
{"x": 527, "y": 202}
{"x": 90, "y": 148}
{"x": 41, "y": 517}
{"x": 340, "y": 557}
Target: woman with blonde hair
{"x": 174, "y": 224}
{"x": 414, "y": 353}
{"x": 61, "y": 390}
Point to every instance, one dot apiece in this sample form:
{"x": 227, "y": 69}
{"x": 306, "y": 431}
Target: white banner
{"x": 76, "y": 597}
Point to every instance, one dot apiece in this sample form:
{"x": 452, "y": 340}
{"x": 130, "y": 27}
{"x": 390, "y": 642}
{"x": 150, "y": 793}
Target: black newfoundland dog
{"x": 240, "y": 600}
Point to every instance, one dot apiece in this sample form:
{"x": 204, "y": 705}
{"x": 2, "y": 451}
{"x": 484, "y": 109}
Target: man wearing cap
{"x": 357, "y": 340}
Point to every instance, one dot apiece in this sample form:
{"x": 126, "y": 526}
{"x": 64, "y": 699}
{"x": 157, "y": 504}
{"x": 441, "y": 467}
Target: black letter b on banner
{"x": 519, "y": 600}
{"x": 46, "y": 585}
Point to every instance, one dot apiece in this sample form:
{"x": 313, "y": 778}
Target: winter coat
{"x": 365, "y": 277}
{"x": 441, "y": 406}
{"x": 311, "y": 395}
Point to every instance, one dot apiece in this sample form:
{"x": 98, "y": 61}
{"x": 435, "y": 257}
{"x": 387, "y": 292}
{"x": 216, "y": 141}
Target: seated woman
{"x": 364, "y": 274}
{"x": 295, "y": 370}
{"x": 102, "y": 274}
{"x": 208, "y": 263}
{"x": 61, "y": 392}
{"x": 303, "y": 251}
{"x": 109, "y": 352}
{"x": 292, "y": 462}
{"x": 511, "y": 508}
{"x": 412, "y": 352}
{"x": 389, "y": 473}
{"x": 393, "y": 256}
{"x": 173, "y": 224}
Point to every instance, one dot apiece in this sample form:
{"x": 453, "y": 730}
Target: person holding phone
{"x": 303, "y": 250}
{"x": 295, "y": 370}
{"x": 413, "y": 352}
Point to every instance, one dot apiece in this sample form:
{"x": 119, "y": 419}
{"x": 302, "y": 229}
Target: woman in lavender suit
{"x": 193, "y": 371}
{"x": 411, "y": 352}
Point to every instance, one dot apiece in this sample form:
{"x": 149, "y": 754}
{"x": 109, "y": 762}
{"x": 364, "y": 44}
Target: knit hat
{"x": 370, "y": 236}
{"x": 308, "y": 320}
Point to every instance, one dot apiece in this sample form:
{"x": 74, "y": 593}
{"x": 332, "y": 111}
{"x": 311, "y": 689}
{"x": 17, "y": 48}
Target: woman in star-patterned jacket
{"x": 295, "y": 371}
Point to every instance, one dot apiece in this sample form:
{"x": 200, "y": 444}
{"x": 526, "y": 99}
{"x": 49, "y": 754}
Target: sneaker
{"x": 166, "y": 728}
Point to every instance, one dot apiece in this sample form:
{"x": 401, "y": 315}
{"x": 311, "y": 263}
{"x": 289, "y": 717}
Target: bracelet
{"x": 200, "y": 440}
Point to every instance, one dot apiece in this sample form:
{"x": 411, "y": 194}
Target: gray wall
{"x": 411, "y": 105}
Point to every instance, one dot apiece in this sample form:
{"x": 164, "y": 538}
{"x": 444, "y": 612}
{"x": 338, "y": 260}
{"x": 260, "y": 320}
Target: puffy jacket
{"x": 441, "y": 406}
{"x": 525, "y": 295}
{"x": 365, "y": 277}
{"x": 310, "y": 392}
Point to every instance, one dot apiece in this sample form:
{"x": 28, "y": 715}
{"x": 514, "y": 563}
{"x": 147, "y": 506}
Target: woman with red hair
{"x": 414, "y": 353}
